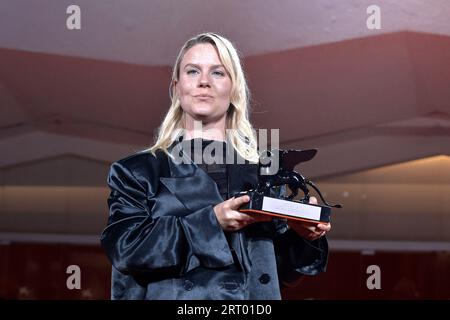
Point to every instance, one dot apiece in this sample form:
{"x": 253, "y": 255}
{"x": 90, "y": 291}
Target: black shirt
{"x": 211, "y": 160}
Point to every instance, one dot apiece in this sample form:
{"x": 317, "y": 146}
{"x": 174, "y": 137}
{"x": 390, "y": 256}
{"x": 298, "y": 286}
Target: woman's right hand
{"x": 232, "y": 220}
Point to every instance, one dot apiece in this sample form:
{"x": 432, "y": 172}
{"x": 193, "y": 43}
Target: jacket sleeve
{"x": 297, "y": 256}
{"x": 137, "y": 241}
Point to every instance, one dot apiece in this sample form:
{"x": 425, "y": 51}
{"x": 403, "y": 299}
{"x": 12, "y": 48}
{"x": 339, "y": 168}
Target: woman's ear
{"x": 173, "y": 88}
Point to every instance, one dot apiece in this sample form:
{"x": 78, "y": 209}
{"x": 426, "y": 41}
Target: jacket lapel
{"x": 186, "y": 179}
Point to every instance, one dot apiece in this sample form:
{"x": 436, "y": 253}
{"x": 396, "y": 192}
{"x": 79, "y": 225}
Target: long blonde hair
{"x": 241, "y": 135}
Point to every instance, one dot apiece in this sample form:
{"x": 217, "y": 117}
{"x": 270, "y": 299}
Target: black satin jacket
{"x": 164, "y": 241}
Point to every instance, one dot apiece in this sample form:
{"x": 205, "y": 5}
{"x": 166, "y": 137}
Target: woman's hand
{"x": 309, "y": 230}
{"x": 232, "y": 220}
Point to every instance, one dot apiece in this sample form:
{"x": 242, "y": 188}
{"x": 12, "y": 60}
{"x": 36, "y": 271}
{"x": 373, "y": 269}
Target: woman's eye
{"x": 218, "y": 73}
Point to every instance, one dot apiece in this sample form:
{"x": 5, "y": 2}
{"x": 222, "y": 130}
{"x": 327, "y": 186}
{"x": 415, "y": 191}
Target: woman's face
{"x": 204, "y": 86}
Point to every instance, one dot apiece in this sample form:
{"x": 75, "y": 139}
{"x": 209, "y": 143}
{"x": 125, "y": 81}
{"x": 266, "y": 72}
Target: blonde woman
{"x": 174, "y": 229}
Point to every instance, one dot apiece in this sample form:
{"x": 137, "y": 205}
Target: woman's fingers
{"x": 309, "y": 230}
{"x": 239, "y": 201}
{"x": 245, "y": 217}
{"x": 313, "y": 200}
{"x": 321, "y": 228}
{"x": 324, "y": 227}
{"x": 231, "y": 219}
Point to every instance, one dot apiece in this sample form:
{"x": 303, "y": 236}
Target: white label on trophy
{"x": 291, "y": 208}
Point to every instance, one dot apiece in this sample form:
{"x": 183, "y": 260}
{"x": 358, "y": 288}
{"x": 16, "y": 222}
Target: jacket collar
{"x": 242, "y": 175}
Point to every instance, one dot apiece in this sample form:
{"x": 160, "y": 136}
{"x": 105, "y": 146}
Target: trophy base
{"x": 286, "y": 209}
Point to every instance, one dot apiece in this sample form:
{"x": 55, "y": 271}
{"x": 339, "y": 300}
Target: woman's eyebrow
{"x": 198, "y": 66}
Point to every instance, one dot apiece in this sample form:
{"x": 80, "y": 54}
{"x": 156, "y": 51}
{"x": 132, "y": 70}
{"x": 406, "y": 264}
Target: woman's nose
{"x": 204, "y": 80}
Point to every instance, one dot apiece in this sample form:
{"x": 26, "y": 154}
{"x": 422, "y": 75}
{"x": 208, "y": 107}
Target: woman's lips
{"x": 203, "y": 97}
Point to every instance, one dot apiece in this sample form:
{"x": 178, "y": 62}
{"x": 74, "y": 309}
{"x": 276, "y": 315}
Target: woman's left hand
{"x": 309, "y": 230}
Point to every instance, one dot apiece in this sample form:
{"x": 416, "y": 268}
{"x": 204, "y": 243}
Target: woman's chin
{"x": 203, "y": 117}
{"x": 202, "y": 113}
